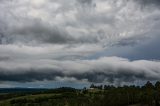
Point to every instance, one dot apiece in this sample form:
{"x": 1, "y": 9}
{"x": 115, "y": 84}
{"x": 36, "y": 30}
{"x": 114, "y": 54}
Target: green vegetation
{"x": 107, "y": 95}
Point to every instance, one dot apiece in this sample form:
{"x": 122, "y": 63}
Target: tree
{"x": 157, "y": 93}
{"x": 149, "y": 88}
{"x": 157, "y": 85}
{"x": 149, "y": 85}
{"x": 92, "y": 86}
{"x": 100, "y": 87}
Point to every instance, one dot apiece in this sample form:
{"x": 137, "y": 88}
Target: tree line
{"x": 148, "y": 94}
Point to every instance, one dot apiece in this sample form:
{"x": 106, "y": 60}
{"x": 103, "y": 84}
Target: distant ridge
{"x": 16, "y": 90}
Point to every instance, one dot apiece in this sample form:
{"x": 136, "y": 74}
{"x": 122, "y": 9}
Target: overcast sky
{"x": 52, "y": 43}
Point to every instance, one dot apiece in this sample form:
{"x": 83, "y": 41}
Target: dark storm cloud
{"x": 114, "y": 78}
{"x": 131, "y": 41}
{"x": 30, "y": 75}
{"x": 39, "y": 31}
{"x": 149, "y": 2}
{"x": 85, "y": 1}
{"x": 4, "y": 58}
{"x": 113, "y": 70}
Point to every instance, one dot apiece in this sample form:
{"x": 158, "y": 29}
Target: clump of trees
{"x": 148, "y": 94}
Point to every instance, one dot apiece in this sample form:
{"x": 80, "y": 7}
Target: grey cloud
{"x": 42, "y": 33}
{"x": 52, "y": 28}
{"x": 30, "y": 75}
{"x": 85, "y": 1}
{"x": 149, "y": 2}
{"x": 113, "y": 70}
{"x": 111, "y": 18}
{"x": 4, "y": 58}
{"x": 46, "y": 40}
{"x": 131, "y": 41}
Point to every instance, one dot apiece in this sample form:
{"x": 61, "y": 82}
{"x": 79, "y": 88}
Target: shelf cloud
{"x": 106, "y": 69}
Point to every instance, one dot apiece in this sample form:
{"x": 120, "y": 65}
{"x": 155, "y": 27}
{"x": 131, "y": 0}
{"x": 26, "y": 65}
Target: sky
{"x": 54, "y": 43}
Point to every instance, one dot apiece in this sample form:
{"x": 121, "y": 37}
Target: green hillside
{"x": 147, "y": 95}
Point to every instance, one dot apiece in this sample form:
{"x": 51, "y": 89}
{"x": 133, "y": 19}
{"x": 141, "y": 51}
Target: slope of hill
{"x": 147, "y": 95}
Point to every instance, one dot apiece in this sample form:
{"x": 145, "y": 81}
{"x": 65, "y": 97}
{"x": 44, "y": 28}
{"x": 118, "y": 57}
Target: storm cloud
{"x": 149, "y": 2}
{"x": 100, "y": 41}
{"x": 69, "y": 22}
{"x": 114, "y": 70}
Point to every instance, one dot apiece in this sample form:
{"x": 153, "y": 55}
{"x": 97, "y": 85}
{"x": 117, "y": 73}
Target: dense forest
{"x": 96, "y": 95}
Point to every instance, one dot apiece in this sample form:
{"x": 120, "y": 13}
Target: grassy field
{"x": 66, "y": 98}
